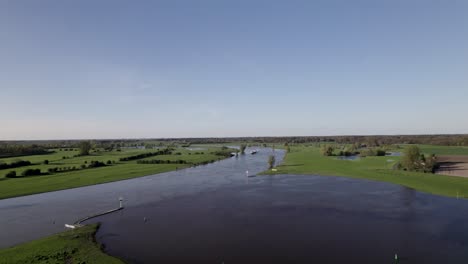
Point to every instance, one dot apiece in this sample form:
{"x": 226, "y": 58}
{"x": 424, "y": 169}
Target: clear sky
{"x": 132, "y": 69}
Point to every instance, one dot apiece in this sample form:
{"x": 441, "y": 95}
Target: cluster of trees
{"x": 414, "y": 160}
{"x": 15, "y": 150}
{"x": 96, "y": 164}
{"x": 162, "y": 162}
{"x": 25, "y": 173}
{"x": 84, "y": 147}
{"x": 203, "y": 162}
{"x": 146, "y": 155}
{"x": 31, "y": 172}
{"x": 331, "y": 150}
{"x": 223, "y": 153}
{"x": 11, "y": 174}
{"x": 372, "y": 152}
{"x": 14, "y": 164}
{"x": 327, "y": 150}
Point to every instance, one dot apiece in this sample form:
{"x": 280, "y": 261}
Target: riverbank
{"x": 70, "y": 173}
{"x": 73, "y": 246}
{"x": 308, "y": 160}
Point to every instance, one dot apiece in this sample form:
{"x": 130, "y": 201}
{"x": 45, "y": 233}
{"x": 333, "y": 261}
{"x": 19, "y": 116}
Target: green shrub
{"x": 31, "y": 172}
{"x": 11, "y": 174}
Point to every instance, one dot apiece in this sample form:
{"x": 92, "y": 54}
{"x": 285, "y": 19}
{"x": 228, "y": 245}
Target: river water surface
{"x": 215, "y": 214}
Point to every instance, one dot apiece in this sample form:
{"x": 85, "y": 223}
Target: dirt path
{"x": 453, "y": 165}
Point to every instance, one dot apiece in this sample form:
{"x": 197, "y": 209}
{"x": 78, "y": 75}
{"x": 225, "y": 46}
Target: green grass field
{"x": 443, "y": 150}
{"x": 308, "y": 160}
{"x": 74, "y": 246}
{"x": 12, "y": 187}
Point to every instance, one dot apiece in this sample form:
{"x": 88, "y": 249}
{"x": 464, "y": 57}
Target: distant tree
{"x": 11, "y": 174}
{"x": 242, "y": 148}
{"x": 327, "y": 150}
{"x": 288, "y": 149}
{"x": 85, "y": 147}
{"x": 46, "y": 162}
{"x": 109, "y": 162}
{"x": 380, "y": 152}
{"x": 431, "y": 163}
{"x": 411, "y": 159}
{"x": 31, "y": 172}
{"x": 271, "y": 161}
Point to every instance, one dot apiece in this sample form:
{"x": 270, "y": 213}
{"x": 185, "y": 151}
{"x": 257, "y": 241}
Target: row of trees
{"x": 15, "y": 164}
{"x": 25, "y": 173}
{"x": 371, "y": 141}
{"x": 166, "y": 151}
{"x": 15, "y": 150}
{"x": 162, "y": 162}
{"x": 330, "y": 150}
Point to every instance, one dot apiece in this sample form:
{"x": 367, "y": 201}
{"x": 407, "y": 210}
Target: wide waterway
{"x": 34, "y": 216}
{"x": 215, "y": 214}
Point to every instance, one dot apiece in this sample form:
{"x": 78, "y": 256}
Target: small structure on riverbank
{"x": 78, "y": 223}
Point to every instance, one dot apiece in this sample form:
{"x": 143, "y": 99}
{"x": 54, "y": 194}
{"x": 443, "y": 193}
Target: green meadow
{"x": 308, "y": 160}
{"x": 73, "y": 246}
{"x": 117, "y": 170}
{"x": 444, "y": 150}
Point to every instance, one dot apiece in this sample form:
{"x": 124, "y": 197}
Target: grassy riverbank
{"x": 115, "y": 171}
{"x": 308, "y": 160}
{"x": 73, "y": 246}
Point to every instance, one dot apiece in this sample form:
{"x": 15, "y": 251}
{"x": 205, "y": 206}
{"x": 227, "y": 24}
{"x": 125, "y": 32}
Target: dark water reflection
{"x": 293, "y": 219}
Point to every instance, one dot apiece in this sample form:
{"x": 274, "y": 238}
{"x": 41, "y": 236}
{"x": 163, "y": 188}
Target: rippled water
{"x": 293, "y": 219}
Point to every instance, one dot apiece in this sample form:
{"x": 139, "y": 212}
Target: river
{"x": 215, "y": 214}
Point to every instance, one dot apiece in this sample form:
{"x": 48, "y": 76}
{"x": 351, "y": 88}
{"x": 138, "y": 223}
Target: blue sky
{"x": 131, "y": 69}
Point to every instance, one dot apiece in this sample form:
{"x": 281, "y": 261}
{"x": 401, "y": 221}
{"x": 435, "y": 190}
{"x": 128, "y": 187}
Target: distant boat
{"x": 253, "y": 152}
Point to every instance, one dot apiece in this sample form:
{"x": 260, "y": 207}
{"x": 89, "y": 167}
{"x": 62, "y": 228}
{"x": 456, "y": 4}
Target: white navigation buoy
{"x": 121, "y": 200}
{"x": 247, "y": 173}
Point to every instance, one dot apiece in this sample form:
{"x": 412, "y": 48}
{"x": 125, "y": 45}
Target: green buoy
{"x": 396, "y": 258}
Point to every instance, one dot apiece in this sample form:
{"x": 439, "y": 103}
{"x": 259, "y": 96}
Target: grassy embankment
{"x": 74, "y": 246}
{"x": 120, "y": 170}
{"x": 308, "y": 160}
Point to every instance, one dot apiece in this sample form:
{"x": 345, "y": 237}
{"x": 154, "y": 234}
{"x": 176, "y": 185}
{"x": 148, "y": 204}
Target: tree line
{"x": 146, "y": 155}
{"x": 15, "y": 164}
{"x": 15, "y": 150}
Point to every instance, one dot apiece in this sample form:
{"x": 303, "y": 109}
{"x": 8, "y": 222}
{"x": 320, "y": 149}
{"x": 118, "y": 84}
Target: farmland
{"x": 64, "y": 168}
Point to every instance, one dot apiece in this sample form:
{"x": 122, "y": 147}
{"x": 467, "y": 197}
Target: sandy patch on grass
{"x": 453, "y": 165}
